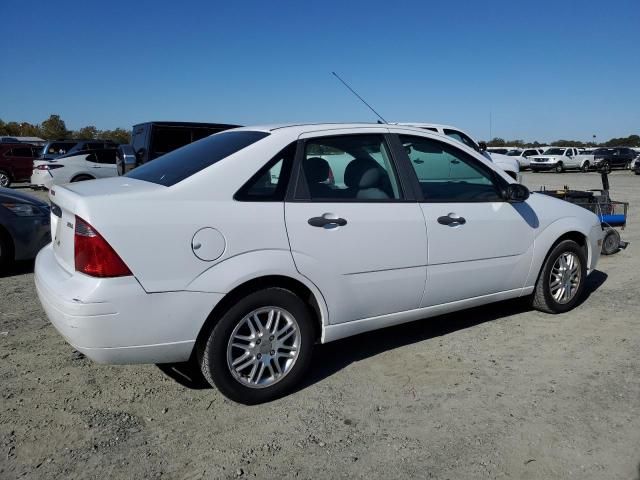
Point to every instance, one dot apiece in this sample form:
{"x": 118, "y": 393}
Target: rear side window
{"x": 107, "y": 157}
{"x": 22, "y": 152}
{"x": 179, "y": 164}
{"x": 58, "y": 148}
{"x": 270, "y": 183}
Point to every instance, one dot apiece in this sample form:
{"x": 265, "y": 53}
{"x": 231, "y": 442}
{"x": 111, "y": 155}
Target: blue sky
{"x": 542, "y": 69}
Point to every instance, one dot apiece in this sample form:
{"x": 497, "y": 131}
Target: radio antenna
{"x": 361, "y": 99}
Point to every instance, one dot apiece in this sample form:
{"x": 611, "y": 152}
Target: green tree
{"x": 86, "y": 133}
{"x": 54, "y": 128}
{"x": 29, "y": 130}
{"x": 496, "y": 142}
{"x": 119, "y": 135}
{"x": 12, "y": 129}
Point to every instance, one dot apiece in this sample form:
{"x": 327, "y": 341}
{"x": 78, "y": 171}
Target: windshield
{"x": 179, "y": 164}
{"x": 555, "y": 151}
{"x": 514, "y": 153}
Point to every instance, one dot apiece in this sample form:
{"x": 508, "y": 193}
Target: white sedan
{"x": 244, "y": 249}
{"x": 79, "y": 166}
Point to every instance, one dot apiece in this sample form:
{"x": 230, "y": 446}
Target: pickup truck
{"x": 151, "y": 140}
{"x": 605, "y": 159}
{"x": 555, "y": 158}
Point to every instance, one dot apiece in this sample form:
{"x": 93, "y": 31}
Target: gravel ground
{"x": 494, "y": 392}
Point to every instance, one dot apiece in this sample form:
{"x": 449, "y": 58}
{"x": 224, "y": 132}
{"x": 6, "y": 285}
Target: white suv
{"x": 522, "y": 155}
{"x": 244, "y": 249}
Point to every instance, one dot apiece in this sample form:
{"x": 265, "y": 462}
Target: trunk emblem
{"x": 70, "y": 225}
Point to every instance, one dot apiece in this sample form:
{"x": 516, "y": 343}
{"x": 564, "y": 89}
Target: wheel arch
{"x": 563, "y": 229}
{"x": 82, "y": 174}
{"x": 306, "y": 293}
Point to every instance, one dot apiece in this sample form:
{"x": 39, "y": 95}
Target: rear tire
{"x": 585, "y": 167}
{"x": 5, "y": 179}
{"x": 559, "y": 167}
{"x": 558, "y": 275}
{"x": 610, "y": 242}
{"x": 605, "y": 167}
{"x": 222, "y": 354}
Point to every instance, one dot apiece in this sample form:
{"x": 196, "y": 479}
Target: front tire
{"x": 559, "y": 167}
{"x": 562, "y": 279}
{"x": 610, "y": 242}
{"x": 605, "y": 167}
{"x": 5, "y": 179}
{"x": 260, "y": 348}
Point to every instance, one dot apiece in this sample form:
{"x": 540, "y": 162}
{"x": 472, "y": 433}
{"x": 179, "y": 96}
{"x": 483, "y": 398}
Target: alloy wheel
{"x": 263, "y": 347}
{"x": 4, "y": 180}
{"x": 564, "y": 279}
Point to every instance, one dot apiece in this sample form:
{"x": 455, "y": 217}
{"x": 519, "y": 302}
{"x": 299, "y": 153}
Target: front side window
{"x": 447, "y": 174}
{"x": 349, "y": 168}
{"x": 179, "y": 164}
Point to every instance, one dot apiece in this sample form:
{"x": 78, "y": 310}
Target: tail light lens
{"x": 48, "y": 167}
{"x": 93, "y": 255}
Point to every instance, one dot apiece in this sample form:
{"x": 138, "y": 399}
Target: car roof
{"x": 426, "y": 125}
{"x": 186, "y": 124}
{"x": 17, "y": 144}
{"x": 300, "y": 128}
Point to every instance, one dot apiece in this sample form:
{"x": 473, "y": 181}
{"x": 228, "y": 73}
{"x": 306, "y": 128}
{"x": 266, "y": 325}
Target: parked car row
{"x": 560, "y": 159}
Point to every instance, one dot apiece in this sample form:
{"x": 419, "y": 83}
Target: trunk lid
{"x": 73, "y": 199}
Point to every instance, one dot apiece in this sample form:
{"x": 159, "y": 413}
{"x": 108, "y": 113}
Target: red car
{"x": 16, "y": 162}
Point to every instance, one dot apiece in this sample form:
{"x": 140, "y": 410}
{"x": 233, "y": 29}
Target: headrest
{"x": 363, "y": 173}
{"x": 316, "y": 169}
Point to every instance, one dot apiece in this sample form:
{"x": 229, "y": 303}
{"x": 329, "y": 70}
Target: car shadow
{"x": 18, "y": 268}
{"x": 330, "y": 358}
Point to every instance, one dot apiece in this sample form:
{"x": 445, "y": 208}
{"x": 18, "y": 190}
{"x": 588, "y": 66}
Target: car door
{"x": 103, "y": 163}
{"x": 21, "y": 163}
{"x": 354, "y": 228}
{"x": 478, "y": 244}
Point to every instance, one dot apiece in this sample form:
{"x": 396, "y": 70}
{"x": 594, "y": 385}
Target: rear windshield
{"x": 179, "y": 164}
{"x": 57, "y": 148}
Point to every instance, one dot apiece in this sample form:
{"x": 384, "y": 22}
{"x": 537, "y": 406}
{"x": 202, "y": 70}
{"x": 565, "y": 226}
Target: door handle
{"x": 325, "y": 222}
{"x": 452, "y": 220}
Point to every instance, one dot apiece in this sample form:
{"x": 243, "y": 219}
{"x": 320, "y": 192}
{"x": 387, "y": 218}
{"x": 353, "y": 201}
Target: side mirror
{"x": 482, "y": 146}
{"x": 516, "y": 193}
{"x": 126, "y": 159}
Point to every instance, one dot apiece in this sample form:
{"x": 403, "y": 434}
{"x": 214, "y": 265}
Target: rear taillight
{"x": 93, "y": 255}
{"x": 48, "y": 167}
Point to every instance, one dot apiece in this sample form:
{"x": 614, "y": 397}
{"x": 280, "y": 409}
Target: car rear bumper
{"x": 114, "y": 320}
{"x": 41, "y": 178}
